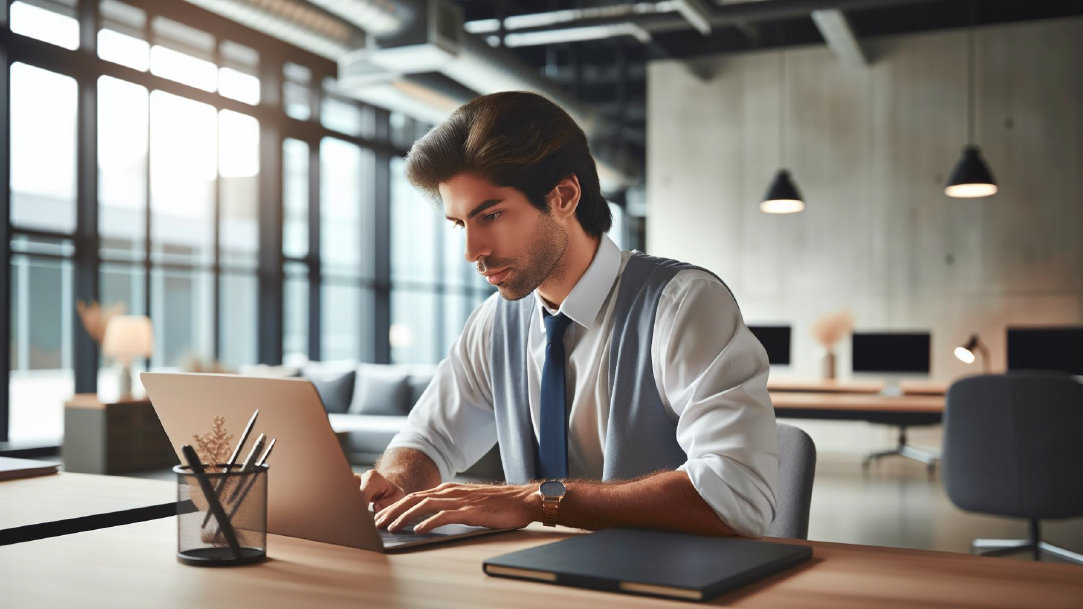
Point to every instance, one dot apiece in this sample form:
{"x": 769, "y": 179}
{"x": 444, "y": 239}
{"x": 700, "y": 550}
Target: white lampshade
{"x": 128, "y": 337}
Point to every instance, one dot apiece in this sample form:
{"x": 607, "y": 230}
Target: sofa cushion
{"x": 380, "y": 390}
{"x": 418, "y": 383}
{"x": 367, "y": 433}
{"x": 335, "y": 388}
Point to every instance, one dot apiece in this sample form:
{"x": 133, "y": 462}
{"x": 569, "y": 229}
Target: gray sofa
{"x": 367, "y": 404}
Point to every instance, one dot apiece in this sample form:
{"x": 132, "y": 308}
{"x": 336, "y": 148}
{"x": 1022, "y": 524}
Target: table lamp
{"x": 966, "y": 352}
{"x": 126, "y": 338}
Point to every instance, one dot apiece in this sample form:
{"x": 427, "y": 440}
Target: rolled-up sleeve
{"x": 453, "y": 421}
{"x": 712, "y": 374}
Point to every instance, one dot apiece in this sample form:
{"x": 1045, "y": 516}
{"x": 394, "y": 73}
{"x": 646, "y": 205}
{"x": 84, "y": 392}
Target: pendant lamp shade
{"x": 971, "y": 177}
{"x": 782, "y": 196}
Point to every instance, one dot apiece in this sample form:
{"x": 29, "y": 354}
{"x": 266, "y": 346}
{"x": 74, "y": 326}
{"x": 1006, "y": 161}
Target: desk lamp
{"x": 126, "y": 338}
{"x": 966, "y": 352}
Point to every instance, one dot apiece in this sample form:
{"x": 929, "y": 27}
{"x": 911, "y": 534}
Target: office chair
{"x": 1011, "y": 448}
{"x": 793, "y": 496}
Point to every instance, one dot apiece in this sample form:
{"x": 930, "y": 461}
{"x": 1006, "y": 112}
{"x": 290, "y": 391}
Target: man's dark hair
{"x": 515, "y": 139}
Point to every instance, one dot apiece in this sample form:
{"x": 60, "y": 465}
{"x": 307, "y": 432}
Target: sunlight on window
{"x": 44, "y": 25}
{"x": 42, "y": 148}
{"x": 238, "y": 85}
{"x": 122, "y": 167}
{"x": 238, "y": 192}
{"x": 238, "y": 142}
{"x": 294, "y": 198}
{"x": 341, "y": 116}
{"x": 183, "y": 171}
{"x": 123, "y": 49}
{"x": 183, "y": 68}
{"x": 340, "y": 206}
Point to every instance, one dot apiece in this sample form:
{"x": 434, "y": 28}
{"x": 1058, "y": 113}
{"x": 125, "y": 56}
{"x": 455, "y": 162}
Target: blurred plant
{"x": 830, "y": 328}
{"x": 214, "y": 446}
{"x": 96, "y": 318}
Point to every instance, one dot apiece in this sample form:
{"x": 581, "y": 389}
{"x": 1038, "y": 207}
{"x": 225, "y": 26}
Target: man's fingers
{"x": 377, "y": 489}
{"x": 459, "y": 516}
{"x": 424, "y": 507}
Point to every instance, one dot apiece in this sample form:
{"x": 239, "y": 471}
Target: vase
{"x": 828, "y": 365}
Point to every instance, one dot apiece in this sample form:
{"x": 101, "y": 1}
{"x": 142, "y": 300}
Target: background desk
{"x": 135, "y": 566}
{"x": 902, "y": 411}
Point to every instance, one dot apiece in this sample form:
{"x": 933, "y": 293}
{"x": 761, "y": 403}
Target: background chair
{"x": 796, "y": 470}
{"x": 1012, "y": 448}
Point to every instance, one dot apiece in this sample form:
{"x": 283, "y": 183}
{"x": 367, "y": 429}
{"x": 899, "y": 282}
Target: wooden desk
{"x": 59, "y": 504}
{"x": 852, "y": 386}
{"x": 135, "y": 566}
{"x": 860, "y": 406}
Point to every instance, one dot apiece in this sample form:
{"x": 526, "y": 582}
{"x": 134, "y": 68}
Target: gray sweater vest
{"x": 641, "y": 435}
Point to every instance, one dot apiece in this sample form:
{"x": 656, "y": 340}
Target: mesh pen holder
{"x": 238, "y": 497}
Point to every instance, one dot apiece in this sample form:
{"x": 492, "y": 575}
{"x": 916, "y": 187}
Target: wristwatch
{"x": 552, "y": 493}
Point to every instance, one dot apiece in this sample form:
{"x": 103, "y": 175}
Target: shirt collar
{"x": 585, "y": 300}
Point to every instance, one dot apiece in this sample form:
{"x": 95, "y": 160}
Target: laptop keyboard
{"x": 406, "y": 534}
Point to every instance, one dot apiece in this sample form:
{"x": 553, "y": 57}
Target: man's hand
{"x": 493, "y": 506}
{"x": 377, "y": 490}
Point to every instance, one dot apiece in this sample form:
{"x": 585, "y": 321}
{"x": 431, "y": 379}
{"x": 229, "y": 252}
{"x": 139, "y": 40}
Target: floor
{"x": 897, "y": 504}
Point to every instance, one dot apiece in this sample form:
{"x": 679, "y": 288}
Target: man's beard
{"x": 547, "y": 245}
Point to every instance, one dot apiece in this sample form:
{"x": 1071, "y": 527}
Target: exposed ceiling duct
{"x": 416, "y": 57}
{"x": 300, "y": 24}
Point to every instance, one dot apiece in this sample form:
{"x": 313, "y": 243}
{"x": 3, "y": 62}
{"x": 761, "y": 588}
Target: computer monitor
{"x": 1058, "y": 349}
{"x": 891, "y": 353}
{"x": 776, "y": 340}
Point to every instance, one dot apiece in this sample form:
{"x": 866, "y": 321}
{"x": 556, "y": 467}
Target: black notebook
{"x": 654, "y": 563}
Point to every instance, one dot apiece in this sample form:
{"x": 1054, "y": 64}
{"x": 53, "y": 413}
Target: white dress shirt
{"x": 710, "y": 370}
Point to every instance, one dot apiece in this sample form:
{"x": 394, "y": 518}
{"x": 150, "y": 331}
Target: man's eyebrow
{"x": 479, "y": 209}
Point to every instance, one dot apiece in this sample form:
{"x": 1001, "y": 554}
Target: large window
{"x": 43, "y": 205}
{"x": 172, "y": 179}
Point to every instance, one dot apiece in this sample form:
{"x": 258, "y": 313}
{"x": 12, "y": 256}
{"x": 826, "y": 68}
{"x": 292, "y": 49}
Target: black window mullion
{"x": 148, "y": 217}
{"x": 216, "y": 252}
{"x": 86, "y": 265}
{"x": 380, "y": 209}
{"x": 5, "y": 228}
{"x": 315, "y": 271}
{"x": 271, "y": 273}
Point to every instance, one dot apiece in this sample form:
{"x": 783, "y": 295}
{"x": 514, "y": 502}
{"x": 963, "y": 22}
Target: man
{"x": 628, "y": 384}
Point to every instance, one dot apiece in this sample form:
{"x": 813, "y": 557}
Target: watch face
{"x": 552, "y": 488}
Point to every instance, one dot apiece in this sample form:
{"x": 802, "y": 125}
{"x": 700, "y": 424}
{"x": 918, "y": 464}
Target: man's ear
{"x": 564, "y": 198}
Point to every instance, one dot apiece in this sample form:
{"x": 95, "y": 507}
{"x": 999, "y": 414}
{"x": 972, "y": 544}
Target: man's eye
{"x": 493, "y": 216}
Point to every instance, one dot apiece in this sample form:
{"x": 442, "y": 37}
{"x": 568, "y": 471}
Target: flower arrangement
{"x": 828, "y": 329}
{"x": 214, "y": 446}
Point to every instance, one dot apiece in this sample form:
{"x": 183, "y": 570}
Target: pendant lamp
{"x": 782, "y": 196}
{"x": 971, "y": 177}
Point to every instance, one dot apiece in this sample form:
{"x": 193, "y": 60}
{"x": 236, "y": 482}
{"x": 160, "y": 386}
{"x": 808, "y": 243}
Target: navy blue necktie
{"x": 553, "y": 419}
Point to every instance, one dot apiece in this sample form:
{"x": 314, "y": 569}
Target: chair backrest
{"x": 1012, "y": 445}
{"x": 793, "y": 494}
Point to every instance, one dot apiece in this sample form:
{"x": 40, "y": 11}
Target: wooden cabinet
{"x": 113, "y": 437}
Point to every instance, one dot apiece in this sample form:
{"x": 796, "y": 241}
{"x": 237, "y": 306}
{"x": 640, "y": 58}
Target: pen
{"x": 249, "y": 463}
{"x": 212, "y": 499}
{"x": 251, "y": 480}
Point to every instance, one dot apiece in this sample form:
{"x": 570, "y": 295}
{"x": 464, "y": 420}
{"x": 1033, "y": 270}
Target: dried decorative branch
{"x": 95, "y": 318}
{"x": 829, "y": 328}
{"x": 214, "y": 446}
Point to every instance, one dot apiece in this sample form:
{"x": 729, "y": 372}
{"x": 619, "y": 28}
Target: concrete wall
{"x": 870, "y": 148}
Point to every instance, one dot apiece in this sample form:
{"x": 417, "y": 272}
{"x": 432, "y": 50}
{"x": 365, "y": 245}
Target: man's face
{"x": 514, "y": 244}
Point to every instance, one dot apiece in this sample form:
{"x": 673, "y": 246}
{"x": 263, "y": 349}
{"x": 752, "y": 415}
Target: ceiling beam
{"x": 840, "y": 38}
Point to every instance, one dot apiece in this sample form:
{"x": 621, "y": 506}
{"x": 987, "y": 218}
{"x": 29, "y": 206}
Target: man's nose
{"x": 476, "y": 246}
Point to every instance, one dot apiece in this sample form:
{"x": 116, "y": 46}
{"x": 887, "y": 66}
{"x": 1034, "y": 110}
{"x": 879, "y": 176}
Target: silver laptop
{"x": 312, "y": 492}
